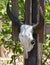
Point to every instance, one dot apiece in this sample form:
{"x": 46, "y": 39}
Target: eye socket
{"x": 33, "y": 41}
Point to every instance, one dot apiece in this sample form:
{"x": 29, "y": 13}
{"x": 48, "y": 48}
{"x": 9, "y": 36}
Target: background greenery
{"x": 47, "y": 11}
{"x": 6, "y": 33}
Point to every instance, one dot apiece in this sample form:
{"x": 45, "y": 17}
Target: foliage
{"x": 6, "y": 34}
{"x": 47, "y": 12}
{"x": 46, "y": 45}
{"x": 46, "y": 51}
{"x": 21, "y": 9}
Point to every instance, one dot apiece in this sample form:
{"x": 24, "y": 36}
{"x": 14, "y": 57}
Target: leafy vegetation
{"x": 21, "y": 9}
{"x": 47, "y": 11}
{"x": 6, "y": 33}
{"x": 46, "y": 51}
{"x": 46, "y": 45}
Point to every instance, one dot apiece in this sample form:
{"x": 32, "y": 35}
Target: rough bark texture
{"x": 27, "y": 11}
{"x": 35, "y": 56}
{"x": 40, "y": 28}
{"x": 15, "y": 29}
{"x": 32, "y": 11}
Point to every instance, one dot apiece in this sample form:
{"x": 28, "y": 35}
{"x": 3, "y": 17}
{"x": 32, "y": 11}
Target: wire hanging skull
{"x": 25, "y": 34}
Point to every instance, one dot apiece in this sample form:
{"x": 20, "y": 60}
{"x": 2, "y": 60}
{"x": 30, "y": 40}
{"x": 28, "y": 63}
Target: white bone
{"x": 26, "y": 37}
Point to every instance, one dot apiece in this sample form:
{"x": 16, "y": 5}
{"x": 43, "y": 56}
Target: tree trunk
{"x": 15, "y": 29}
{"x": 32, "y": 17}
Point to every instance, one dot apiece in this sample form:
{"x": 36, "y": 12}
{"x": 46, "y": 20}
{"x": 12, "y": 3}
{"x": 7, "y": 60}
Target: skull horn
{"x": 12, "y": 17}
{"x": 35, "y": 25}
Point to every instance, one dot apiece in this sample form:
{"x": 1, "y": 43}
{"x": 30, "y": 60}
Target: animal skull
{"x": 26, "y": 38}
{"x": 26, "y": 32}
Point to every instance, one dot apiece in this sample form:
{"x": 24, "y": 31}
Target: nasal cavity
{"x": 33, "y": 42}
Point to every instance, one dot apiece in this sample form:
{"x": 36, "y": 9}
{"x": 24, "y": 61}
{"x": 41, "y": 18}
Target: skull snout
{"x": 33, "y": 42}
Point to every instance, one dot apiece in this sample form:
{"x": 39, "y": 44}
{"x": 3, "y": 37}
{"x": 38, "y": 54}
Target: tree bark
{"x": 15, "y": 29}
{"x": 32, "y": 17}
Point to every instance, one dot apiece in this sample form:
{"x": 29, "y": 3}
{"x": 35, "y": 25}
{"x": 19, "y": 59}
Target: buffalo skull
{"x": 25, "y": 34}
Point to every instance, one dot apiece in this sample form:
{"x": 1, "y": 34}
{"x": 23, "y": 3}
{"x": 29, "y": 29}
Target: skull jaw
{"x": 26, "y": 51}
